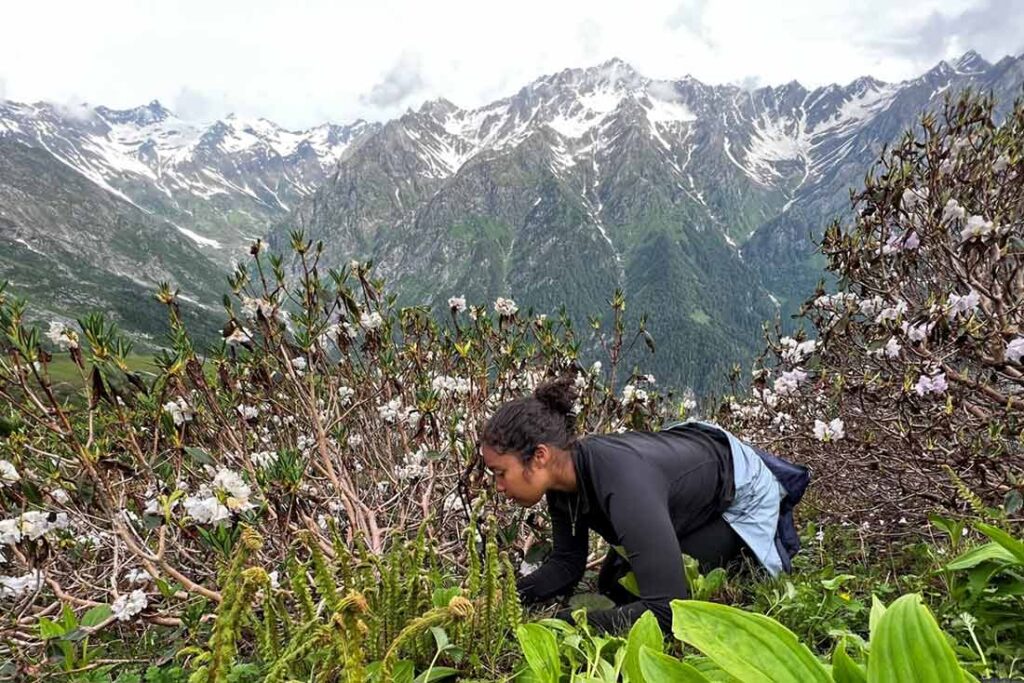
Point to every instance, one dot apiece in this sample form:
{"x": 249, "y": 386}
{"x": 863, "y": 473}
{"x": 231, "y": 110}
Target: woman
{"x": 693, "y": 489}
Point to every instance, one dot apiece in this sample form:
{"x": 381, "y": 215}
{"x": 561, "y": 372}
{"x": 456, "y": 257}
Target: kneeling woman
{"x": 693, "y": 488}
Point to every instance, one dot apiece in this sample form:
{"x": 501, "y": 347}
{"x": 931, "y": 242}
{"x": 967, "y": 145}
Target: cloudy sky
{"x": 306, "y": 61}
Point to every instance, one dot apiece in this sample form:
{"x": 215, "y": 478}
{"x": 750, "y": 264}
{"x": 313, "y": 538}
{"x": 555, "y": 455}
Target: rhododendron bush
{"x": 907, "y": 382}
{"x": 326, "y": 408}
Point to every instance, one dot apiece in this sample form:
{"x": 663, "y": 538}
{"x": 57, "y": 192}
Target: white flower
{"x": 390, "y": 411}
{"x": 16, "y": 586}
{"x": 137, "y": 576}
{"x": 829, "y": 431}
{"x": 450, "y": 385}
{"x": 506, "y": 307}
{"x": 345, "y": 394}
{"x": 127, "y": 606}
{"x": 413, "y": 465}
{"x": 1015, "y": 350}
{"x": 630, "y": 393}
{"x": 299, "y": 364}
{"x": 688, "y": 404}
{"x": 963, "y": 305}
{"x": 1001, "y": 163}
{"x": 976, "y": 227}
{"x": 205, "y": 508}
{"x": 60, "y": 495}
{"x": 892, "y": 312}
{"x": 898, "y": 242}
{"x": 247, "y": 412}
{"x": 263, "y": 459}
{"x": 355, "y": 264}
{"x": 869, "y": 307}
{"x": 275, "y": 580}
{"x": 32, "y": 525}
{"x": 370, "y": 321}
{"x": 917, "y": 333}
{"x": 350, "y": 330}
{"x": 236, "y": 489}
{"x": 912, "y": 198}
{"x": 179, "y": 410}
{"x": 8, "y": 474}
{"x": 933, "y": 385}
{"x": 457, "y": 303}
{"x": 355, "y": 440}
{"x": 952, "y": 212}
{"x": 63, "y": 336}
{"x": 794, "y": 352}
{"x": 595, "y": 368}
{"x": 789, "y": 381}
{"x": 892, "y": 348}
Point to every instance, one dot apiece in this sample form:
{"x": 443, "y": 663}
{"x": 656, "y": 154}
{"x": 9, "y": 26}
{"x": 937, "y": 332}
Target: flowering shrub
{"x": 325, "y": 404}
{"x": 910, "y": 379}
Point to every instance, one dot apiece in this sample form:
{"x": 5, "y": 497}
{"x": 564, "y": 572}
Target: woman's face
{"x": 522, "y": 484}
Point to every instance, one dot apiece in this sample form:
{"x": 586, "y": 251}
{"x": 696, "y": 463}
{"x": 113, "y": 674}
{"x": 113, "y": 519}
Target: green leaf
{"x": 48, "y": 628}
{"x": 200, "y": 455}
{"x": 644, "y": 633}
{"x": 836, "y": 581}
{"x": 751, "y": 647}
{"x": 877, "y": 610}
{"x": 629, "y": 583}
{"x": 437, "y": 673}
{"x": 990, "y": 552}
{"x": 844, "y": 669}
{"x": 590, "y": 601}
{"x": 908, "y": 647}
{"x": 403, "y": 672}
{"x": 541, "y": 651}
{"x": 661, "y": 668}
{"x": 440, "y": 638}
{"x": 96, "y": 615}
{"x": 1004, "y": 539}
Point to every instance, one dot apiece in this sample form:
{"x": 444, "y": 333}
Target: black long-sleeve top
{"x": 643, "y": 491}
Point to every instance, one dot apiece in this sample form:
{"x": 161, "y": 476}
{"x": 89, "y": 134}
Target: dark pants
{"x": 713, "y": 545}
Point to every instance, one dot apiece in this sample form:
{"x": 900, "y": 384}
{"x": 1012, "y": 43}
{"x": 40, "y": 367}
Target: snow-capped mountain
{"x": 218, "y": 183}
{"x": 699, "y": 200}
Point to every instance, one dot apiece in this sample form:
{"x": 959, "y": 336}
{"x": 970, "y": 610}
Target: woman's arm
{"x": 565, "y": 566}
{"x": 638, "y": 510}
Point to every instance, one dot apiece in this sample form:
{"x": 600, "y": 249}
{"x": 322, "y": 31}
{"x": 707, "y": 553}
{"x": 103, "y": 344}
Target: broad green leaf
{"x": 440, "y": 638}
{"x": 541, "y": 651}
{"x": 1004, "y": 539}
{"x": 751, "y": 647}
{"x": 990, "y": 552}
{"x": 844, "y": 669}
{"x": 909, "y": 647}
{"x": 437, "y": 673}
{"x": 645, "y": 632}
{"x": 661, "y": 668}
{"x": 96, "y": 615}
{"x": 877, "y": 610}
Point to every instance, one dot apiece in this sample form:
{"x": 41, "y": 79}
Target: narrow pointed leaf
{"x": 844, "y": 669}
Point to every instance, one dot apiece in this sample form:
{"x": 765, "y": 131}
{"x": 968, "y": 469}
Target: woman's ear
{"x": 541, "y": 456}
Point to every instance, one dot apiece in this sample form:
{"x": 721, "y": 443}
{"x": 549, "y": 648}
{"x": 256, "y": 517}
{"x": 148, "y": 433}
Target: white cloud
{"x": 302, "y": 63}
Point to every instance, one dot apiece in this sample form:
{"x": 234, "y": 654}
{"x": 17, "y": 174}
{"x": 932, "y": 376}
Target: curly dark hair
{"x": 546, "y": 417}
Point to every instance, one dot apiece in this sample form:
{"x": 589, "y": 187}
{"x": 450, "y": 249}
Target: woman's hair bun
{"x": 559, "y": 395}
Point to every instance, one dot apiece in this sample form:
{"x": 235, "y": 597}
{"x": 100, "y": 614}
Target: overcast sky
{"x": 302, "y": 62}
